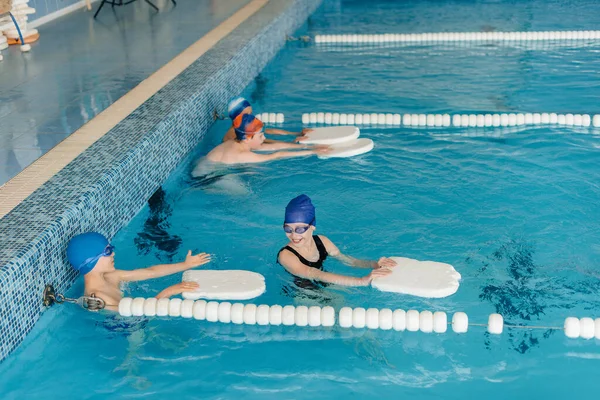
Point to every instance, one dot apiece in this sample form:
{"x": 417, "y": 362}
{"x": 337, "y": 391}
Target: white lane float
{"x": 436, "y": 37}
{"x": 459, "y": 120}
{"x": 398, "y": 320}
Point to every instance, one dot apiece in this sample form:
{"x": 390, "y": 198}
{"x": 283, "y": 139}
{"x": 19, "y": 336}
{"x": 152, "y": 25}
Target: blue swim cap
{"x": 236, "y": 106}
{"x": 300, "y": 209}
{"x": 84, "y": 251}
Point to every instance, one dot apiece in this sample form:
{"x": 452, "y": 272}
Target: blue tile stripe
{"x": 104, "y": 187}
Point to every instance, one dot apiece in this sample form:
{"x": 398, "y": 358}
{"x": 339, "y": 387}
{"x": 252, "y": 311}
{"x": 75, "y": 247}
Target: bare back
{"x": 232, "y": 152}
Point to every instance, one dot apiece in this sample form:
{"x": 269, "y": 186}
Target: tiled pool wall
{"x": 105, "y": 186}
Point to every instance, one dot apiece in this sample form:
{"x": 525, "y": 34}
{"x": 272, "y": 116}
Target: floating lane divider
{"x": 272, "y": 118}
{"x": 457, "y": 120}
{"x": 459, "y": 37}
{"x": 372, "y": 318}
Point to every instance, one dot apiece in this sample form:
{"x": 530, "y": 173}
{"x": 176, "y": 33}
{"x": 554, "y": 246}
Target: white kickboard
{"x": 332, "y": 135}
{"x": 350, "y": 149}
{"x": 224, "y": 285}
{"x": 419, "y": 278}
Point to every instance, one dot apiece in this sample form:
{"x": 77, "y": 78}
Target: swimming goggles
{"x": 107, "y": 252}
{"x": 249, "y": 135}
{"x": 299, "y": 229}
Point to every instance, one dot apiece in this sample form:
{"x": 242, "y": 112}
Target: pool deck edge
{"x": 13, "y": 192}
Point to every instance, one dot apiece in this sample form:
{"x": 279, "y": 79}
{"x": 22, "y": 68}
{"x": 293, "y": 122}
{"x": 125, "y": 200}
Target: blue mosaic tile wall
{"x": 104, "y": 187}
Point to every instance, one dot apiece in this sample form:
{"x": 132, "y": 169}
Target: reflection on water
{"x": 155, "y": 234}
{"x": 532, "y": 293}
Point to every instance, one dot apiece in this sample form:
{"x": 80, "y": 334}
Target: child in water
{"x": 240, "y": 106}
{"x": 305, "y": 253}
{"x": 93, "y": 256}
{"x": 249, "y": 139}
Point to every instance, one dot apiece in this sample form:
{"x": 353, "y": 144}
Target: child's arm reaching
{"x": 275, "y": 131}
{"x": 333, "y": 251}
{"x": 177, "y": 289}
{"x": 157, "y": 271}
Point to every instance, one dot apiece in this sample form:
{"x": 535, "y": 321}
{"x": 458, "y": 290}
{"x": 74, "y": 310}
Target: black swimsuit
{"x": 313, "y": 264}
{"x": 302, "y": 282}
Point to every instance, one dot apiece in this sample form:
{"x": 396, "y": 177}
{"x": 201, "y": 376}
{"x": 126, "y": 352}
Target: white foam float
{"x": 419, "y": 278}
{"x": 224, "y": 285}
{"x": 332, "y": 135}
{"x": 349, "y": 149}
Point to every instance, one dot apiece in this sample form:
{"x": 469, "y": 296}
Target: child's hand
{"x": 376, "y": 273}
{"x": 385, "y": 262}
{"x": 177, "y": 289}
{"x": 305, "y": 131}
{"x": 321, "y": 149}
{"x": 197, "y": 260}
{"x": 185, "y": 287}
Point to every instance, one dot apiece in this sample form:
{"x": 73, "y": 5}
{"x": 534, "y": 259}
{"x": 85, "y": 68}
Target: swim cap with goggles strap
{"x": 84, "y": 251}
{"x": 300, "y": 209}
{"x": 246, "y": 125}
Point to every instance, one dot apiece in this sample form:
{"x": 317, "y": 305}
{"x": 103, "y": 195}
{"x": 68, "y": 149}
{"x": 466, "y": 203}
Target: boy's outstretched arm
{"x": 275, "y": 131}
{"x": 157, "y": 271}
{"x": 177, "y": 289}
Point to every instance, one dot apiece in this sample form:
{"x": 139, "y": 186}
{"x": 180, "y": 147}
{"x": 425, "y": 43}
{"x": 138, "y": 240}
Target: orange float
{"x": 28, "y": 39}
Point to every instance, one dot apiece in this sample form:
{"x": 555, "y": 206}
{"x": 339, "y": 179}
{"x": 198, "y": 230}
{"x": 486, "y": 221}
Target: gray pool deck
{"x": 80, "y": 66}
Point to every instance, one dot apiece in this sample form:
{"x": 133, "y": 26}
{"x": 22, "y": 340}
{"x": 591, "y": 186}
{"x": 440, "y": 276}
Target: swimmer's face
{"x": 247, "y": 110}
{"x": 298, "y": 239}
{"x": 106, "y": 263}
{"x": 256, "y": 140}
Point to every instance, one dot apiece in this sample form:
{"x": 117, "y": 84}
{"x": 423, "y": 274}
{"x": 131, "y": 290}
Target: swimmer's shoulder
{"x": 324, "y": 239}
{"x": 229, "y": 135}
{"x": 217, "y": 154}
{"x": 329, "y": 246}
{"x": 286, "y": 252}
{"x": 287, "y": 259}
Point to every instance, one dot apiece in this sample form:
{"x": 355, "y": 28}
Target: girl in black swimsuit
{"x": 305, "y": 283}
{"x": 305, "y": 253}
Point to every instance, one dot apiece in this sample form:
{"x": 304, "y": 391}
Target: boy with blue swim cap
{"x": 92, "y": 255}
{"x": 249, "y": 137}
{"x": 305, "y": 253}
{"x": 239, "y": 106}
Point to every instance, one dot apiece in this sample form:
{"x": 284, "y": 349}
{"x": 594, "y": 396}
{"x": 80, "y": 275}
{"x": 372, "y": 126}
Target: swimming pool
{"x": 512, "y": 210}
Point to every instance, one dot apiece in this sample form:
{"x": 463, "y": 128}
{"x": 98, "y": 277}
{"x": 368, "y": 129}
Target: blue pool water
{"x": 515, "y": 211}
